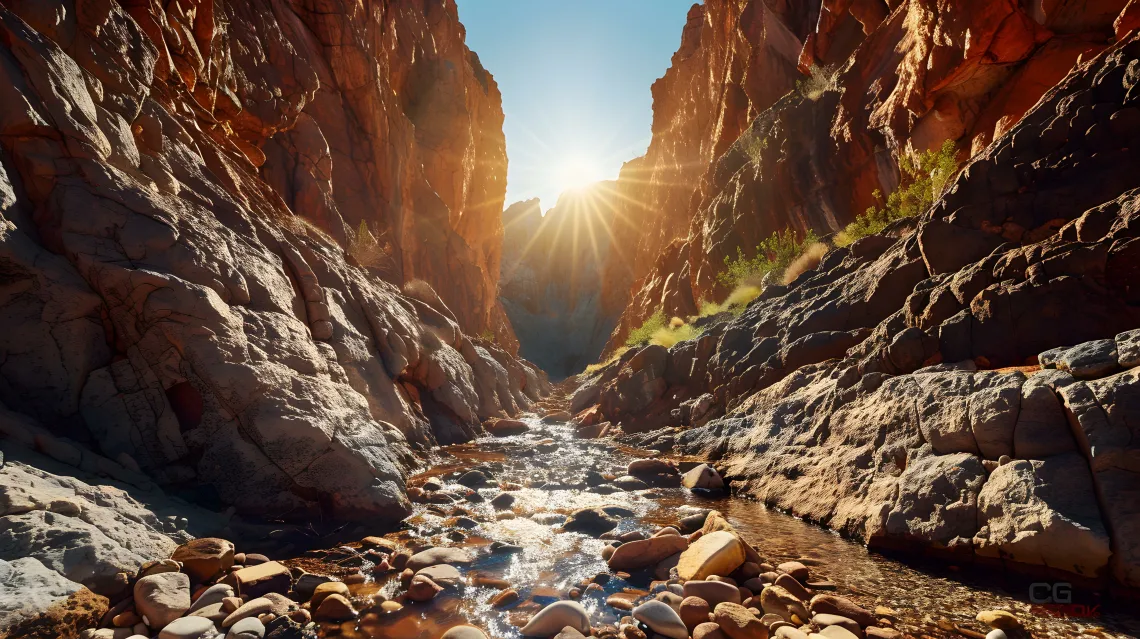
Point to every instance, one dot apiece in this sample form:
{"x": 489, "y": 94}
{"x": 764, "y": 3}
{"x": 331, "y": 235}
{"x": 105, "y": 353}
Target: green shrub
{"x": 642, "y": 334}
{"x": 923, "y": 182}
{"x": 670, "y": 335}
{"x": 774, "y": 254}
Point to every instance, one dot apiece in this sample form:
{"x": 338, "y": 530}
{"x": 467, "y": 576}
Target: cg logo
{"x": 1044, "y": 593}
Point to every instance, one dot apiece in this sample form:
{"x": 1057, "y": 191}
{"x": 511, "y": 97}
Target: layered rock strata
{"x": 965, "y": 385}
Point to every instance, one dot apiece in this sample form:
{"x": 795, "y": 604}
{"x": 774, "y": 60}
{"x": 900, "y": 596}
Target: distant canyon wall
{"x": 552, "y": 286}
{"x": 745, "y": 144}
{"x": 179, "y": 183}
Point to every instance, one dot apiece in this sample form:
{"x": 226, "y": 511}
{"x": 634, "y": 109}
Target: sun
{"x": 576, "y": 171}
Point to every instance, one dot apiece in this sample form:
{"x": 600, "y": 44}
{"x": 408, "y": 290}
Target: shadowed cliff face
{"x": 552, "y": 282}
{"x": 178, "y": 182}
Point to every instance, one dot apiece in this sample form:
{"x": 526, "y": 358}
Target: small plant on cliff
{"x": 775, "y": 253}
{"x": 488, "y": 336}
{"x": 367, "y": 249}
{"x": 753, "y": 145}
{"x": 821, "y": 80}
{"x": 924, "y": 180}
{"x": 809, "y": 259}
{"x": 642, "y": 334}
{"x": 676, "y": 331}
{"x": 593, "y": 368}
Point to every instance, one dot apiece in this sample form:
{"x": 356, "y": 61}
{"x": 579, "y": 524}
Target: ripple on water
{"x": 551, "y": 563}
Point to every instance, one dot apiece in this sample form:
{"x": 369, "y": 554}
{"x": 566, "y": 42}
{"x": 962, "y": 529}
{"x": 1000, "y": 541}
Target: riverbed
{"x": 543, "y": 470}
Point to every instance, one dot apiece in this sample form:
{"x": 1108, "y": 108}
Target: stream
{"x": 930, "y": 599}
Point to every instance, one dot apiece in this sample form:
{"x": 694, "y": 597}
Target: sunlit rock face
{"x": 178, "y": 184}
{"x": 964, "y": 384}
{"x": 552, "y": 286}
{"x": 904, "y": 79}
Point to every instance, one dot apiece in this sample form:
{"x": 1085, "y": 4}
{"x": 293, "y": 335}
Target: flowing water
{"x": 929, "y": 599}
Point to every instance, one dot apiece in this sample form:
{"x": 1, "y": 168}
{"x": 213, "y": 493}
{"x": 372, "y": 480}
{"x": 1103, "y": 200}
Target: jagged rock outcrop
{"x": 552, "y": 286}
{"x": 966, "y": 385}
{"x": 178, "y": 184}
{"x": 885, "y": 82}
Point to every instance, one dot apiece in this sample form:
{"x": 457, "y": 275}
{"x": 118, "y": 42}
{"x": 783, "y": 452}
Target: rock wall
{"x": 552, "y": 286}
{"x": 965, "y": 384}
{"x": 178, "y": 184}
{"x": 885, "y": 81}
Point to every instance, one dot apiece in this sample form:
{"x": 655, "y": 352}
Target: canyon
{"x": 260, "y": 284}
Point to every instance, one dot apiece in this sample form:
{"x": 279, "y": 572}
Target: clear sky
{"x": 575, "y": 78}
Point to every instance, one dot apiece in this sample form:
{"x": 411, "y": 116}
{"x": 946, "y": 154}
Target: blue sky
{"x": 575, "y": 78}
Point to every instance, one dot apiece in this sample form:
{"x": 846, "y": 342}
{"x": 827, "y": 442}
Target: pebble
{"x": 248, "y": 628}
{"x": 433, "y": 556}
{"x": 186, "y": 628}
{"x": 997, "y": 633}
{"x": 999, "y": 619}
{"x": 212, "y": 595}
{"x": 334, "y": 608}
{"x": 443, "y": 574}
{"x": 251, "y": 608}
{"x": 797, "y": 570}
{"x": 661, "y": 619}
{"x": 694, "y": 611}
{"x": 326, "y": 589}
{"x": 738, "y": 622}
{"x": 464, "y": 632}
{"x": 777, "y": 601}
{"x": 714, "y": 592}
{"x": 504, "y": 598}
{"x": 558, "y": 615}
{"x": 825, "y": 620}
{"x": 708, "y": 631}
{"x": 837, "y": 632}
{"x": 835, "y": 605}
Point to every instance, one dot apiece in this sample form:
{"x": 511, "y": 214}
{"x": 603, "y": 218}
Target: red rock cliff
{"x": 908, "y": 76}
{"x": 178, "y": 184}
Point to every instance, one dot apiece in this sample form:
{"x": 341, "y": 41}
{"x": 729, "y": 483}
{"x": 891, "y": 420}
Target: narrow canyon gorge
{"x": 852, "y": 350}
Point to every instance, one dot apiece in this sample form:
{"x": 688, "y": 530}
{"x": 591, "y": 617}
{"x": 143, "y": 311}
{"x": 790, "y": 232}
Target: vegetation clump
{"x": 367, "y": 249}
{"x": 774, "y": 254}
{"x": 924, "y": 180}
{"x": 820, "y": 80}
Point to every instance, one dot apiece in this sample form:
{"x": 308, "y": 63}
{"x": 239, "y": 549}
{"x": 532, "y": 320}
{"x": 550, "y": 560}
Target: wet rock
{"x": 1000, "y": 619}
{"x": 716, "y": 553}
{"x": 843, "y": 607}
{"x": 162, "y": 598}
{"x": 506, "y": 427}
{"x": 204, "y": 558}
{"x": 504, "y": 598}
{"x": 798, "y": 571}
{"x": 593, "y": 521}
{"x": 636, "y": 555}
{"x": 433, "y": 556}
{"x": 692, "y": 523}
{"x": 661, "y": 619}
{"x": 328, "y": 588}
{"x": 442, "y": 574}
{"x": 474, "y": 479}
{"x": 703, "y": 477}
{"x": 503, "y": 501}
{"x": 556, "y": 616}
{"x": 334, "y": 608}
{"x": 630, "y": 483}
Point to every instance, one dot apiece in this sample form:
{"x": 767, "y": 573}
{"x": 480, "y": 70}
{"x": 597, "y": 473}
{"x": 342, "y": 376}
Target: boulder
{"x": 442, "y": 555}
{"x": 162, "y": 598}
{"x": 593, "y": 521}
{"x": 703, "y": 477}
{"x": 716, "y": 553}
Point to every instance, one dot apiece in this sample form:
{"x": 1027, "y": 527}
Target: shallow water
{"x": 928, "y": 599}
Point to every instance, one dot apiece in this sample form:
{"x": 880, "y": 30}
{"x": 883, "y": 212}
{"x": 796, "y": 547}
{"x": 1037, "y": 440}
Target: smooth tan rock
{"x": 251, "y": 608}
{"x": 1000, "y": 619}
{"x": 422, "y": 588}
{"x": 434, "y": 556}
{"x": 702, "y": 477}
{"x": 205, "y": 557}
{"x": 694, "y": 611}
{"x": 716, "y": 553}
{"x": 708, "y": 630}
{"x": 556, "y": 616}
{"x": 737, "y": 622}
{"x": 334, "y": 608}
{"x": 661, "y": 619}
{"x": 186, "y": 628}
{"x": 714, "y": 592}
{"x": 254, "y": 581}
{"x": 836, "y": 605}
{"x": 777, "y": 601}
{"x": 326, "y": 589}
{"x": 636, "y": 555}
{"x": 162, "y": 598}
{"x": 464, "y": 632}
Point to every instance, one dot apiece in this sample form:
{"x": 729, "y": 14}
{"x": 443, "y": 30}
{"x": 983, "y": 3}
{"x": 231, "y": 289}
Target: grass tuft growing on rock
{"x": 642, "y": 334}
{"x": 809, "y": 259}
{"x": 593, "y": 368}
{"x": 924, "y": 181}
{"x": 774, "y": 254}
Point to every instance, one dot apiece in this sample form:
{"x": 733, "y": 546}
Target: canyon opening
{"x": 491, "y": 319}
